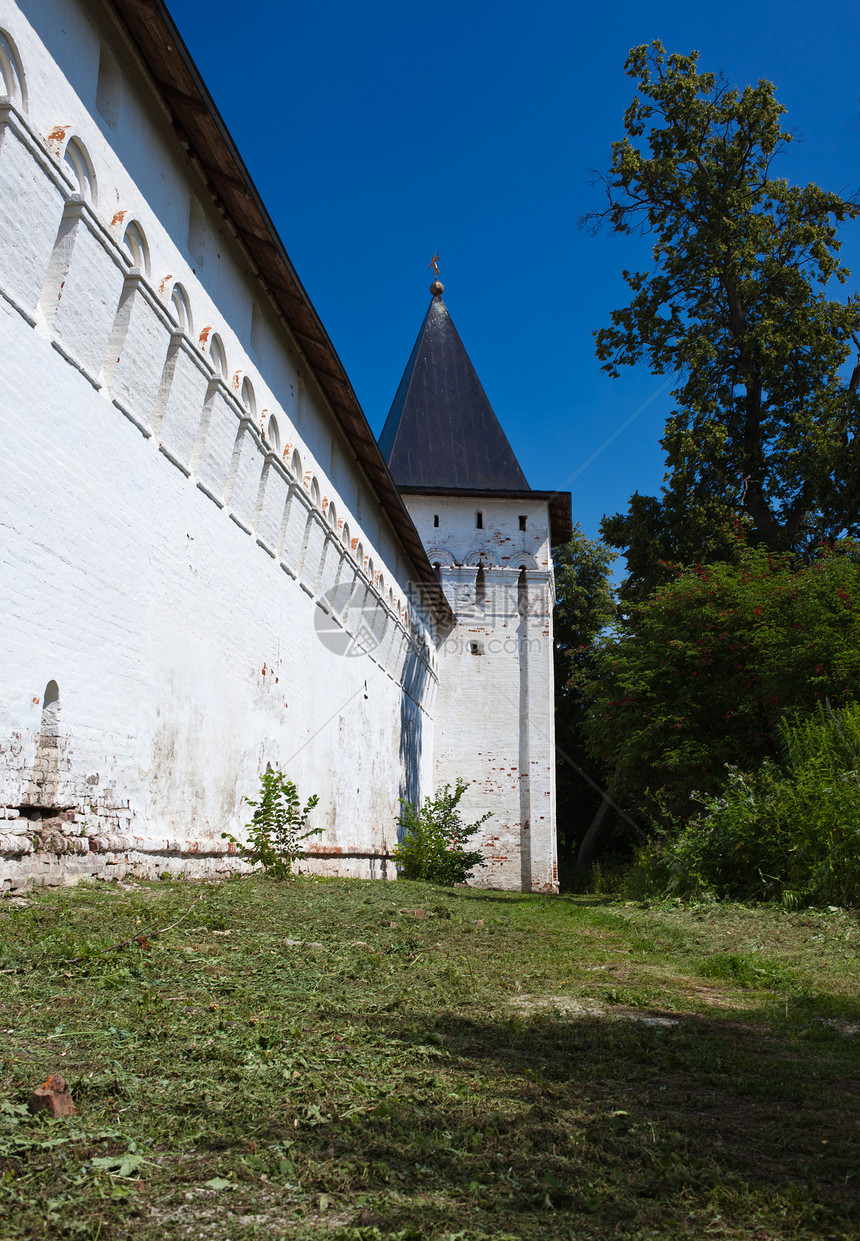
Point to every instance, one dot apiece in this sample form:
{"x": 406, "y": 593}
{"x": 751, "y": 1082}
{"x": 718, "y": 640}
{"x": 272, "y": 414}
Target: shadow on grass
{"x": 589, "y": 1116}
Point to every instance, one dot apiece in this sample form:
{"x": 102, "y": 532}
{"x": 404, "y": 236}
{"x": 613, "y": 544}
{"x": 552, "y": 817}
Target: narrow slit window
{"x": 479, "y": 520}
{"x": 435, "y": 519}
{"x": 522, "y": 523}
{"x": 480, "y": 590}
{"x": 522, "y": 593}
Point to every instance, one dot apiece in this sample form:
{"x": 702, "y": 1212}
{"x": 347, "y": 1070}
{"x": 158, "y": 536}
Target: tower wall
{"x": 495, "y": 711}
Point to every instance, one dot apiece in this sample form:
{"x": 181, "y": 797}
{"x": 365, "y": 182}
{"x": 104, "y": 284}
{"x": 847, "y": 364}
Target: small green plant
{"x": 278, "y": 826}
{"x": 434, "y": 836}
{"x": 747, "y": 969}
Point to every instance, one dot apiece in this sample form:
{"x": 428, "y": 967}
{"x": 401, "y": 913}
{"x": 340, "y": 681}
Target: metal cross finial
{"x": 434, "y": 263}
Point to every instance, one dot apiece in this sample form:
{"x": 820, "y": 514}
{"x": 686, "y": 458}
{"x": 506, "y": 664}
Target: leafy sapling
{"x": 278, "y": 826}
{"x": 432, "y": 845}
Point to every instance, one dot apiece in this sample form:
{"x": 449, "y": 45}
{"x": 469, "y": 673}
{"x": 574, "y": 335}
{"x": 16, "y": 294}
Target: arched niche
{"x": 296, "y": 465}
{"x": 272, "y": 434}
{"x": 482, "y": 558}
{"x": 217, "y": 356}
{"x": 135, "y": 244}
{"x": 249, "y": 399}
{"x": 78, "y": 163}
{"x": 51, "y": 710}
{"x": 522, "y": 560}
{"x": 180, "y": 309}
{"x": 12, "y": 81}
{"x": 441, "y": 556}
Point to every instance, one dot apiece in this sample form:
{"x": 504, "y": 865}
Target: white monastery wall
{"x": 494, "y": 715}
{"x": 180, "y": 515}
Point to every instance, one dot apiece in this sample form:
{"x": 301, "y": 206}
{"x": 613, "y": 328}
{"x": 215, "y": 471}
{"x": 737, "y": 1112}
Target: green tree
{"x": 701, "y": 674}
{"x": 584, "y": 607}
{"x": 735, "y": 306}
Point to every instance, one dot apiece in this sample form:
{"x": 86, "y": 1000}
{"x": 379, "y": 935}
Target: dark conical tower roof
{"x": 441, "y": 430}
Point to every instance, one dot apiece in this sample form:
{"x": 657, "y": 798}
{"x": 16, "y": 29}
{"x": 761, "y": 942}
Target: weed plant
{"x": 278, "y": 827}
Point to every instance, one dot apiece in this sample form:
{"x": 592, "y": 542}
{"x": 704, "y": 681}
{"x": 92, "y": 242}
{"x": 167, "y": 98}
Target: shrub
{"x": 790, "y": 834}
{"x": 701, "y": 674}
{"x": 278, "y": 826}
{"x": 433, "y": 840}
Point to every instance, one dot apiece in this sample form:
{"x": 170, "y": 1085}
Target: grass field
{"x": 365, "y": 1060}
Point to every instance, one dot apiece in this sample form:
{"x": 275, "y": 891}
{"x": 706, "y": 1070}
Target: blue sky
{"x": 381, "y": 133}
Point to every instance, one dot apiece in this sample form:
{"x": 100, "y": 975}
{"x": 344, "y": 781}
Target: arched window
{"x": 218, "y": 356}
{"x": 480, "y": 590}
{"x": 11, "y": 76}
{"x": 296, "y": 465}
{"x": 522, "y": 593}
{"x": 79, "y": 164}
{"x": 273, "y": 435}
{"x": 135, "y": 243}
{"x": 248, "y": 398}
{"x": 180, "y": 309}
{"x": 51, "y": 710}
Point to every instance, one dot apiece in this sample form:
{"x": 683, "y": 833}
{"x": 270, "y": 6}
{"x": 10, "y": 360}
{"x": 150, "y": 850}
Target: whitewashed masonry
{"x": 205, "y": 565}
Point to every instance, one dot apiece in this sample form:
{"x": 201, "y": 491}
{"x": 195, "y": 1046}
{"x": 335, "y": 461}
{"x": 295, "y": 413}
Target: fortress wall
{"x": 186, "y": 588}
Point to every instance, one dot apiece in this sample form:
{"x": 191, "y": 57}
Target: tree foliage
{"x": 735, "y": 305}
{"x": 700, "y": 674}
{"x": 791, "y": 834}
{"x": 584, "y": 607}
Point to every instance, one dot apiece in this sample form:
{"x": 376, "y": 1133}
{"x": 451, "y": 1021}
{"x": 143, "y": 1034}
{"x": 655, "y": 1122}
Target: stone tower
{"x": 489, "y": 536}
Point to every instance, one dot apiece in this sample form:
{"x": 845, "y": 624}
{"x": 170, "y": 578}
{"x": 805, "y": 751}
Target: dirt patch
{"x": 569, "y": 1007}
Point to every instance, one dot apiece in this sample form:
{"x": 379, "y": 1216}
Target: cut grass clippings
{"x": 369, "y": 1060}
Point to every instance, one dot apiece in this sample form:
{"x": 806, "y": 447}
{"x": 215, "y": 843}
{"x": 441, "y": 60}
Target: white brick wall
{"x": 171, "y": 594}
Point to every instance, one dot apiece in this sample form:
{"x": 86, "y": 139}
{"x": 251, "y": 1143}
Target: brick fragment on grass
{"x": 52, "y": 1096}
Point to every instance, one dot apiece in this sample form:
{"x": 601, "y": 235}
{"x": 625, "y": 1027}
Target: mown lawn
{"x": 365, "y": 1060}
